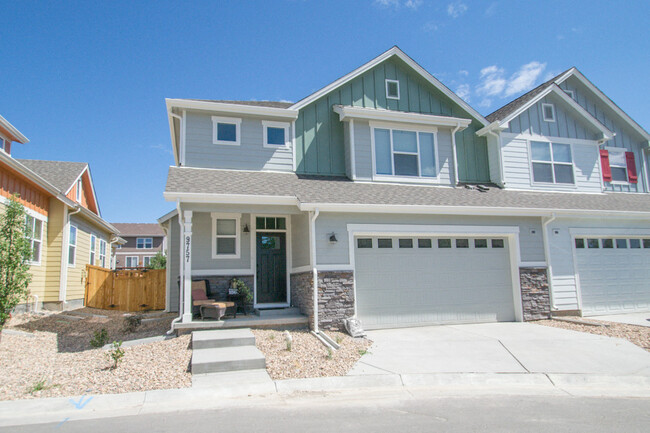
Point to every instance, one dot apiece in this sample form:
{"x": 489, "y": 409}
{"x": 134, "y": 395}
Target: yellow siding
{"x": 54, "y": 241}
{"x": 77, "y": 273}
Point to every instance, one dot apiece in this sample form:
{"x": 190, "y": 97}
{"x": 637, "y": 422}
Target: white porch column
{"x": 187, "y": 266}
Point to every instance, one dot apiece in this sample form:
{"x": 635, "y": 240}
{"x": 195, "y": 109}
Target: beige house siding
{"x": 54, "y": 238}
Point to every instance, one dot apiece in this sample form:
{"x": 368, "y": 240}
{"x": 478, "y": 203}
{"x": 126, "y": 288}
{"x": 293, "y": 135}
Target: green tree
{"x": 15, "y": 253}
{"x": 159, "y": 261}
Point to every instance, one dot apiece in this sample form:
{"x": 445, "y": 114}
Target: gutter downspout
{"x": 453, "y": 149}
{"x": 312, "y": 238}
{"x": 65, "y": 258}
{"x": 502, "y": 181}
{"x": 180, "y": 270}
{"x": 547, "y": 253}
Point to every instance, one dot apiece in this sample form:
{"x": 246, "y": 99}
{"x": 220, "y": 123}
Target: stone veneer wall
{"x": 535, "y": 294}
{"x": 219, "y": 284}
{"x": 335, "y": 297}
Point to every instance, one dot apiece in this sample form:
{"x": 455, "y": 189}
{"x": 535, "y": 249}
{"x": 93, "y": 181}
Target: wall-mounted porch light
{"x": 332, "y": 237}
{"x": 246, "y": 229}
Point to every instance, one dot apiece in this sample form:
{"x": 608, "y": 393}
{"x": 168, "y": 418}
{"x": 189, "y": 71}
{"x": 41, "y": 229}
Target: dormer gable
{"x": 9, "y": 134}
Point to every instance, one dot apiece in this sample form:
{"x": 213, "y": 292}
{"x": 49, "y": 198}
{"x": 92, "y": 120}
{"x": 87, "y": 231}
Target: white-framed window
{"x": 276, "y": 134}
{"x": 618, "y": 164}
{"x": 225, "y": 236}
{"x": 143, "y": 243}
{"x": 79, "y": 189}
{"x": 72, "y": 246}
{"x": 551, "y": 162}
{"x": 392, "y": 89}
{"x": 34, "y": 232}
{"x": 548, "y": 112}
{"x": 3, "y": 144}
{"x": 571, "y": 93}
{"x": 102, "y": 253}
{"x": 405, "y": 153}
{"x": 226, "y": 130}
{"x": 146, "y": 260}
{"x": 93, "y": 248}
{"x": 131, "y": 262}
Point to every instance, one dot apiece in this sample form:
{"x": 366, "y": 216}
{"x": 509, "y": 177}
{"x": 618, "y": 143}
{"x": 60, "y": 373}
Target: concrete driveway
{"x": 499, "y": 348}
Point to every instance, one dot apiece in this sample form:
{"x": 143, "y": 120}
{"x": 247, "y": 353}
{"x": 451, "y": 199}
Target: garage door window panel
{"x": 384, "y": 243}
{"x": 497, "y": 243}
{"x": 364, "y": 243}
{"x": 462, "y": 243}
{"x": 444, "y": 243}
{"x": 405, "y": 243}
{"x": 646, "y": 243}
{"x": 580, "y": 243}
{"x": 608, "y": 243}
{"x": 424, "y": 243}
{"x": 593, "y": 243}
{"x": 635, "y": 243}
{"x": 621, "y": 243}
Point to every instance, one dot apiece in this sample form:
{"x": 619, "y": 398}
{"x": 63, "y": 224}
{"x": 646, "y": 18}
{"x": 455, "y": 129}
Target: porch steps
{"x": 225, "y": 350}
{"x": 278, "y": 312}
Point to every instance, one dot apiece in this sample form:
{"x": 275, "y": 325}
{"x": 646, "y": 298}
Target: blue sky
{"x": 86, "y": 81}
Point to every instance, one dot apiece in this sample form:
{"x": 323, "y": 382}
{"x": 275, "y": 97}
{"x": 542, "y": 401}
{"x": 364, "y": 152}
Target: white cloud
{"x": 387, "y": 3}
{"x": 456, "y": 9}
{"x": 464, "y": 91}
{"x": 463, "y": 72}
{"x": 491, "y": 10}
{"x": 485, "y": 103}
{"x": 413, "y": 4}
{"x": 524, "y": 78}
{"x": 492, "y": 81}
{"x": 430, "y": 27}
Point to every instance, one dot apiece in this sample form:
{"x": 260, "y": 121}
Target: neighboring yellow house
{"x": 64, "y": 215}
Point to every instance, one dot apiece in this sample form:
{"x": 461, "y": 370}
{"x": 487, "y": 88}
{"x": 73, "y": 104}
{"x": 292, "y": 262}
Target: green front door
{"x": 271, "y": 268}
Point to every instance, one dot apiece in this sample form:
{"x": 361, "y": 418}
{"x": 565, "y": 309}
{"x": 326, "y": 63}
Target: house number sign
{"x": 188, "y": 244}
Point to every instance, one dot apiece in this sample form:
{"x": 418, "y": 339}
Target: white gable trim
{"x": 596, "y": 91}
{"x": 17, "y": 135}
{"x": 395, "y": 51}
{"x": 347, "y": 112}
{"x": 285, "y": 113}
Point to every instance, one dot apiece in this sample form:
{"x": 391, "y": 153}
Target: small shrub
{"x": 363, "y": 352}
{"x": 116, "y": 354}
{"x": 338, "y": 339}
{"x": 330, "y": 353}
{"x": 131, "y": 323}
{"x": 100, "y": 338}
{"x": 272, "y": 337}
{"x": 37, "y": 386}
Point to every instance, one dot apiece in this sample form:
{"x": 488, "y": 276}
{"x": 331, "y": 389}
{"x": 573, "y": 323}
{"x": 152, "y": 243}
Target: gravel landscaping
{"x": 50, "y": 355}
{"x": 308, "y": 356}
{"x": 639, "y": 335}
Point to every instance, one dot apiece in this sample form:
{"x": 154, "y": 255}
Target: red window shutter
{"x": 631, "y": 167}
{"x": 604, "y": 162}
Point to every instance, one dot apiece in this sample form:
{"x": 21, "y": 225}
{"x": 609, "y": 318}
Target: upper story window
{"x": 276, "y": 134}
{"x": 392, "y": 89}
{"x": 551, "y": 162}
{"x": 72, "y": 246}
{"x": 93, "y": 249}
{"x": 225, "y": 236}
{"x": 79, "y": 189}
{"x": 226, "y": 130}
{"x": 34, "y": 233}
{"x": 405, "y": 153}
{"x": 141, "y": 243}
{"x": 3, "y": 144}
{"x": 548, "y": 112}
{"x": 102, "y": 253}
{"x": 618, "y": 164}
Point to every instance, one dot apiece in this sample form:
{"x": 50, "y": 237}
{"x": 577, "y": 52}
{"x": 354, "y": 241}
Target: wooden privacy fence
{"x": 125, "y": 290}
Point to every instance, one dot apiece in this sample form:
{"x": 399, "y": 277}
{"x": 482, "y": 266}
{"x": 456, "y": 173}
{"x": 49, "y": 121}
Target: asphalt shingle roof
{"x": 341, "y": 190}
{"x": 61, "y": 174}
{"x": 138, "y": 229}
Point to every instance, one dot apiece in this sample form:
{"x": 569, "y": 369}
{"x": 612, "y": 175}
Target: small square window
{"x": 462, "y": 243}
{"x": 364, "y": 243}
{"x": 424, "y": 243}
{"x": 270, "y": 223}
{"x": 497, "y": 243}
{"x": 226, "y": 130}
{"x": 593, "y": 243}
{"x": 406, "y": 243}
{"x": 276, "y": 134}
{"x": 621, "y": 243}
{"x": 608, "y": 243}
{"x": 635, "y": 243}
{"x": 444, "y": 243}
{"x": 580, "y": 243}
{"x": 548, "y": 111}
{"x": 392, "y": 89}
{"x": 646, "y": 243}
{"x": 385, "y": 243}
{"x": 480, "y": 243}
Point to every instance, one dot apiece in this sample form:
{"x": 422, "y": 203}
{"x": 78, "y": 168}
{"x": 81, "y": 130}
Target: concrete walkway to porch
{"x": 499, "y": 348}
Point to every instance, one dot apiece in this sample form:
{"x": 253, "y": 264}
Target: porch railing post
{"x": 187, "y": 266}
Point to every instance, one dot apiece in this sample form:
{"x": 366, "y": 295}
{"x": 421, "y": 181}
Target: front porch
{"x": 284, "y": 321}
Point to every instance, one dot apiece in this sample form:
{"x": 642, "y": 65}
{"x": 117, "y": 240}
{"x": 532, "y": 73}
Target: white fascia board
{"x": 348, "y": 112}
{"x": 604, "y": 98}
{"x": 394, "y": 51}
{"x": 193, "y": 197}
{"x": 285, "y": 113}
{"x": 497, "y": 126}
{"x": 607, "y": 134}
{"x": 414, "y": 229}
{"x": 467, "y": 210}
{"x": 15, "y": 133}
{"x": 170, "y": 119}
{"x": 169, "y": 215}
{"x": 98, "y": 220}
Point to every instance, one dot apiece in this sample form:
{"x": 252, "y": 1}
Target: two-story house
{"x": 143, "y": 242}
{"x": 67, "y": 230}
{"x": 386, "y": 197}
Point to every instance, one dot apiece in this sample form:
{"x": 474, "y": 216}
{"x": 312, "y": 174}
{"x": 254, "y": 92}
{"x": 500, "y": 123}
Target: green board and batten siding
{"x": 319, "y": 132}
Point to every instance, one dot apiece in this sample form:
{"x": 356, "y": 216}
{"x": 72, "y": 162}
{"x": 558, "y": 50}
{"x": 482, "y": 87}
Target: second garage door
{"x": 411, "y": 281}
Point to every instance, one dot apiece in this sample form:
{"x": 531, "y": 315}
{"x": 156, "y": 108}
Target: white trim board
{"x": 349, "y": 112}
{"x": 256, "y": 110}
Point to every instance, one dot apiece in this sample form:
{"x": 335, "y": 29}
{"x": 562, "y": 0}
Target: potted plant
{"x": 243, "y": 291}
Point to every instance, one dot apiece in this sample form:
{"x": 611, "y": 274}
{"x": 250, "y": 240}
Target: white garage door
{"x": 411, "y": 281}
{"x": 614, "y": 274}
